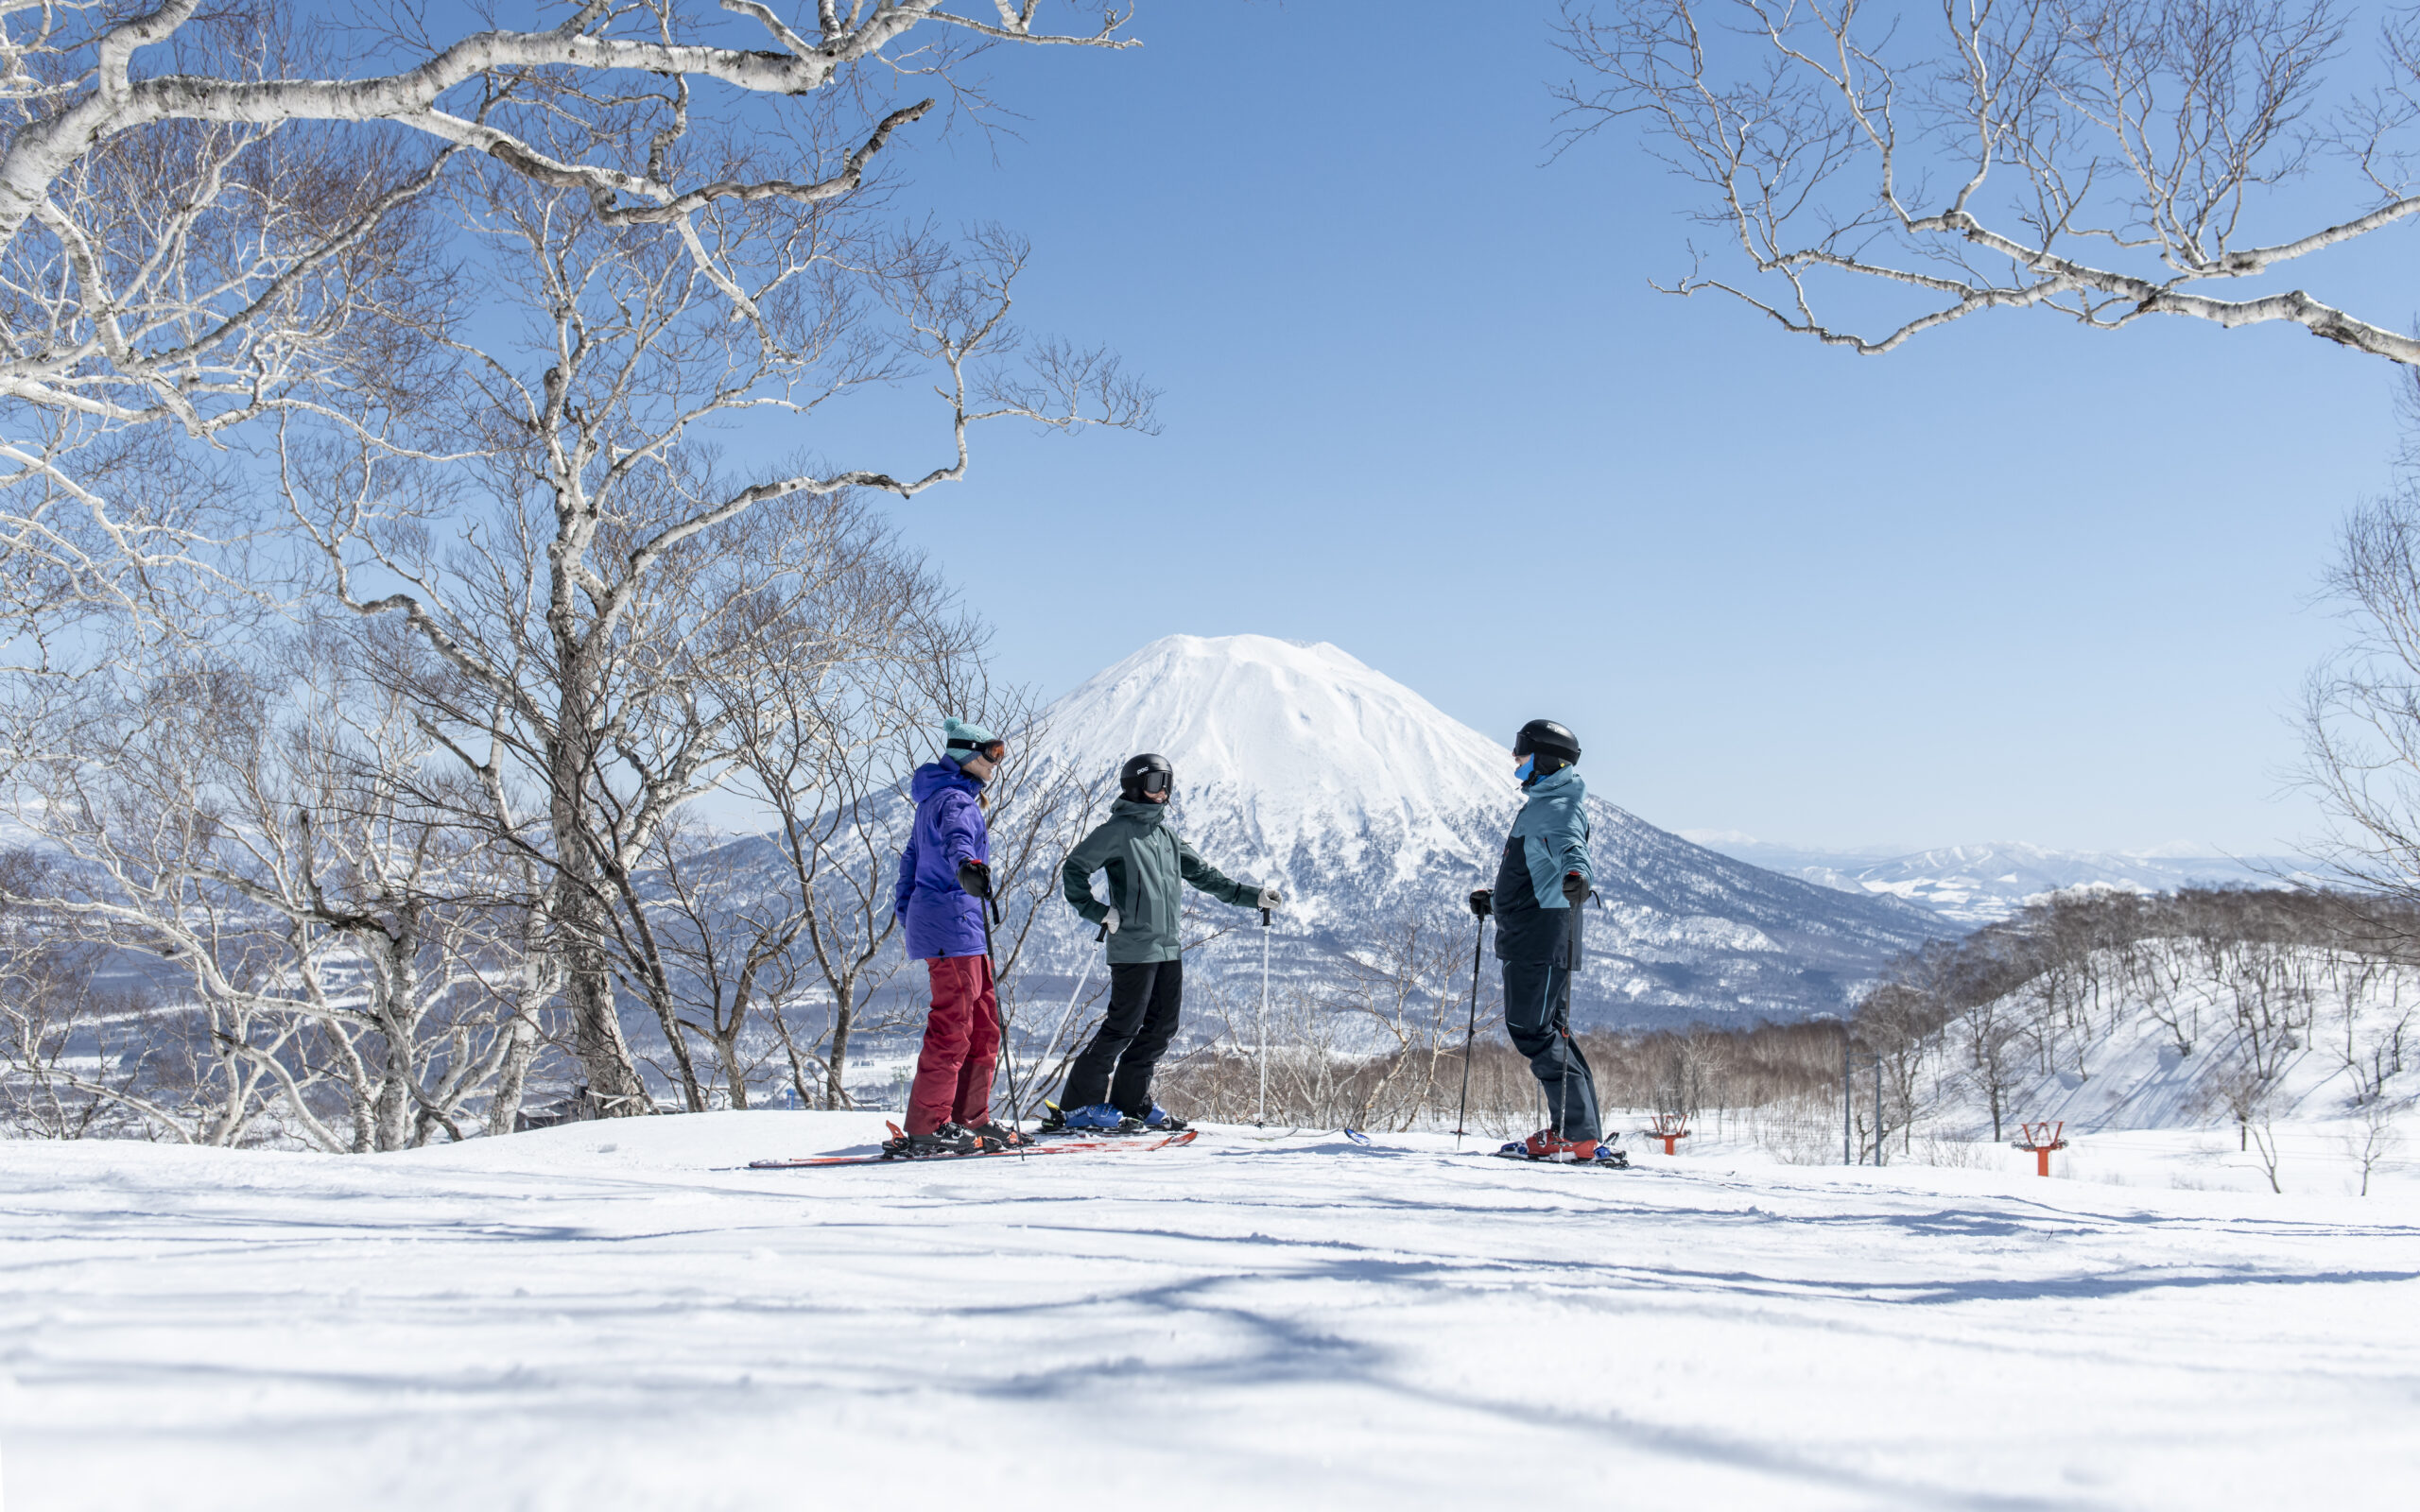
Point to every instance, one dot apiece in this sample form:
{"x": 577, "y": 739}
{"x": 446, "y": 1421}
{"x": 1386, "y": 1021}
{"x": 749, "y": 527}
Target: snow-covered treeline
{"x": 2113, "y": 1010}
{"x": 2238, "y": 1010}
{"x": 278, "y": 912}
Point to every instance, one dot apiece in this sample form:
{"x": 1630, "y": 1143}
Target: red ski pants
{"x": 961, "y": 1044}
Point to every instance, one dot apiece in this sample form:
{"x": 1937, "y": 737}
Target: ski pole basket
{"x": 1669, "y": 1127}
{"x": 2040, "y": 1140}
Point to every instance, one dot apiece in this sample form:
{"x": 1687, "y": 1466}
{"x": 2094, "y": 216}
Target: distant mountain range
{"x": 1299, "y": 763}
{"x": 1374, "y": 810}
{"x": 1977, "y": 884}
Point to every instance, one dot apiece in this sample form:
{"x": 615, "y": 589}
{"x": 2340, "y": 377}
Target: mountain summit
{"x": 1287, "y": 746}
{"x": 1300, "y": 764}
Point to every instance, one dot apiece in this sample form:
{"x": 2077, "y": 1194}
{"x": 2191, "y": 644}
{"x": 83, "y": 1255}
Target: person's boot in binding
{"x": 1546, "y": 1145}
{"x": 998, "y": 1136}
{"x": 944, "y": 1141}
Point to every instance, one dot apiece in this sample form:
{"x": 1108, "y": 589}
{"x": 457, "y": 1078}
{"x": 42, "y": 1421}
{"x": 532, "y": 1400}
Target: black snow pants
{"x": 1145, "y": 999}
{"x": 1537, "y": 1014}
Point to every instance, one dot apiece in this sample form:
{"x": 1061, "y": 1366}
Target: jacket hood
{"x": 1142, "y": 812}
{"x": 1556, "y": 784}
{"x": 934, "y": 776}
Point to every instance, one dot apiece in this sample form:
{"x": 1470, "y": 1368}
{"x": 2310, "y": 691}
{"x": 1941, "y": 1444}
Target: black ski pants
{"x": 1537, "y": 1014}
{"x": 1145, "y": 1000}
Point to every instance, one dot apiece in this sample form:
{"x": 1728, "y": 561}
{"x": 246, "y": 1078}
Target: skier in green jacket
{"x": 1109, "y": 1086}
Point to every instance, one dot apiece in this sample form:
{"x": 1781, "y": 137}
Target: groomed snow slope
{"x": 604, "y": 1317}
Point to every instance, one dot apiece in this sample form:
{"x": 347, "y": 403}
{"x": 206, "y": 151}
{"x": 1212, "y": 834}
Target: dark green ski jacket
{"x": 1144, "y": 860}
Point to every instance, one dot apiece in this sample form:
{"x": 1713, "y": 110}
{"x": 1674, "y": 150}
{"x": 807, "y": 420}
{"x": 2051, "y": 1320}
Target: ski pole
{"x": 1562, "y": 1082}
{"x": 1470, "y": 1034}
{"x": 984, "y": 908}
{"x": 1262, "y": 1122}
{"x": 1562, "y": 1047}
{"x": 1081, "y": 977}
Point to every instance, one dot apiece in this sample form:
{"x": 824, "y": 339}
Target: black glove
{"x": 1574, "y": 888}
{"x": 1483, "y": 901}
{"x": 975, "y": 877}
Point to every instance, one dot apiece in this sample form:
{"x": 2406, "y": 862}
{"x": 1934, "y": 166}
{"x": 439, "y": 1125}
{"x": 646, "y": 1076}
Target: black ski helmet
{"x": 1544, "y": 737}
{"x": 1147, "y": 773}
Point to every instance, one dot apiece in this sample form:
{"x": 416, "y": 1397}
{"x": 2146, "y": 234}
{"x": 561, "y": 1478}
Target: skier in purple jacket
{"x": 944, "y": 883}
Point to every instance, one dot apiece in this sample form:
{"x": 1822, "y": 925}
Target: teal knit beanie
{"x": 961, "y": 739}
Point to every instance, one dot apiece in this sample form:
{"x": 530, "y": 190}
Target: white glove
{"x": 1270, "y": 896}
{"x": 1109, "y": 921}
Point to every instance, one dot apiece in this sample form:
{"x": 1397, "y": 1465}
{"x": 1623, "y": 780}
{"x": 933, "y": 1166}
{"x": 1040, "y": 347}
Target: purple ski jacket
{"x": 941, "y": 918}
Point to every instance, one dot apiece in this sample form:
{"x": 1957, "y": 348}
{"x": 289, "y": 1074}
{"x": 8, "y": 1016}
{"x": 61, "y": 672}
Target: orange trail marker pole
{"x": 2040, "y": 1138}
{"x": 1669, "y": 1127}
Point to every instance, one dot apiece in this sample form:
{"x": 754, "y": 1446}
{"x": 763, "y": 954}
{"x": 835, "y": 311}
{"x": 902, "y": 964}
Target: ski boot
{"x": 1546, "y": 1145}
{"x": 998, "y": 1136}
{"x": 947, "y": 1139}
{"x": 1100, "y": 1118}
{"x": 1166, "y": 1122}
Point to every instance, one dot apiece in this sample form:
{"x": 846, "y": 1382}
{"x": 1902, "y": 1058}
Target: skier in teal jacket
{"x": 1544, "y": 878}
{"x": 1109, "y": 1086}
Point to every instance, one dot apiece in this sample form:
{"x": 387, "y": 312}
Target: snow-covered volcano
{"x": 1372, "y": 806}
{"x": 1281, "y": 748}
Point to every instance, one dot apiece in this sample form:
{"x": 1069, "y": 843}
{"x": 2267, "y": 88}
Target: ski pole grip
{"x": 1264, "y": 919}
{"x": 1104, "y": 932}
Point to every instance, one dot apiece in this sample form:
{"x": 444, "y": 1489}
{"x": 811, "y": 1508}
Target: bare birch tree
{"x": 332, "y": 938}
{"x": 1877, "y": 172}
{"x": 599, "y": 569}
{"x": 2360, "y": 714}
{"x": 211, "y": 213}
{"x": 725, "y": 949}
{"x": 71, "y": 1050}
{"x": 2377, "y": 1141}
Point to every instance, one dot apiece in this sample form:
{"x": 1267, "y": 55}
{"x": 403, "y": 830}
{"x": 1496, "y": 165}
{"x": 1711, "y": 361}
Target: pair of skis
{"x": 1053, "y": 1146}
{"x": 1130, "y": 1143}
{"x": 1619, "y": 1163}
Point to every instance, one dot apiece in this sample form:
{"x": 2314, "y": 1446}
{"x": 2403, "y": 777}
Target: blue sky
{"x": 2016, "y": 582}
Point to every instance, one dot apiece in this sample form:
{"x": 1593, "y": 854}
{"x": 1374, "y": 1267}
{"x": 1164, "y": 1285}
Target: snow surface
{"x": 608, "y": 1317}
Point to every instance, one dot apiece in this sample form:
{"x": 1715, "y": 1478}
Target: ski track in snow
{"x": 606, "y": 1316}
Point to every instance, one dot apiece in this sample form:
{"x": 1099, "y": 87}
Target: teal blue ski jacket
{"x": 1533, "y": 920}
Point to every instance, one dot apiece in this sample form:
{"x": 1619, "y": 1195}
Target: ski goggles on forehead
{"x": 991, "y": 750}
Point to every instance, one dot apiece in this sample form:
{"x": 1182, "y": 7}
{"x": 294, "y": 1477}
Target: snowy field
{"x": 608, "y": 1317}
